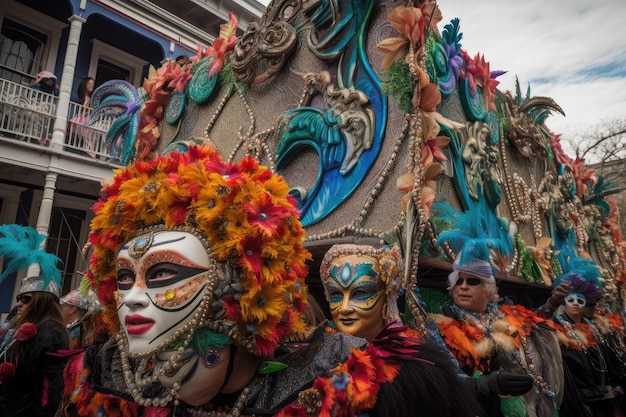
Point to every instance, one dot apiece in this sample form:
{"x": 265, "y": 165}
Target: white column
{"x": 67, "y": 78}
{"x": 45, "y": 212}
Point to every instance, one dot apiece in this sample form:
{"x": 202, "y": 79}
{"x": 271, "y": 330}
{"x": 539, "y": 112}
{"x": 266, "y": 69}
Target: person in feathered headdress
{"x": 594, "y": 371}
{"x": 362, "y": 284}
{"x": 497, "y": 345}
{"x": 31, "y": 381}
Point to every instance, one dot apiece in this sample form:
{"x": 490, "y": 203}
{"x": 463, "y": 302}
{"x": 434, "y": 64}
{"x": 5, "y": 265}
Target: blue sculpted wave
{"x": 345, "y": 26}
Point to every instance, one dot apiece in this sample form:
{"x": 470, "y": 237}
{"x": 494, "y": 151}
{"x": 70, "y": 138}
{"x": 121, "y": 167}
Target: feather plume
{"x": 473, "y": 235}
{"x": 20, "y": 246}
{"x": 119, "y": 98}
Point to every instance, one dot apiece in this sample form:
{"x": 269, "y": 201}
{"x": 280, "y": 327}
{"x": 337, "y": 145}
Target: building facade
{"x": 51, "y": 164}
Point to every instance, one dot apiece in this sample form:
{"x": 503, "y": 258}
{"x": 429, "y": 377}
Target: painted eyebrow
{"x": 178, "y": 239}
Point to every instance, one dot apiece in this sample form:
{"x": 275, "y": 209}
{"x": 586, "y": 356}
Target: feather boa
{"x": 474, "y": 342}
{"x": 352, "y": 387}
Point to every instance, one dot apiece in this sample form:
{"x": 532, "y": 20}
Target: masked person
{"x": 361, "y": 284}
{"x": 591, "y": 376}
{"x": 199, "y": 265}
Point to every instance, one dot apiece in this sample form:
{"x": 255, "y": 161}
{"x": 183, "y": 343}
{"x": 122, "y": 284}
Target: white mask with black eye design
{"x": 161, "y": 278}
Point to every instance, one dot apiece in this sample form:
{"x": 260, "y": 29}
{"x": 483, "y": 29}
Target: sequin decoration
{"x": 211, "y": 358}
{"x": 175, "y": 108}
{"x": 201, "y": 87}
{"x": 140, "y": 245}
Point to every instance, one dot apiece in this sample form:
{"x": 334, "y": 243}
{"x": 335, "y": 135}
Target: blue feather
{"x": 473, "y": 233}
{"x": 20, "y": 246}
{"x": 119, "y": 98}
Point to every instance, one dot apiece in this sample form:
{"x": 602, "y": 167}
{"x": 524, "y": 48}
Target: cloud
{"x": 570, "y": 51}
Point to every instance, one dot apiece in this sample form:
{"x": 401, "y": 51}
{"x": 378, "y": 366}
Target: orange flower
{"x": 429, "y": 187}
{"x": 223, "y": 44}
{"x": 432, "y": 150}
{"x": 409, "y": 21}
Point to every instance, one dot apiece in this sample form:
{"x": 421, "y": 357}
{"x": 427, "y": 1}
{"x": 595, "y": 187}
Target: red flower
{"x": 263, "y": 213}
{"x": 251, "y": 258}
{"x": 26, "y": 332}
{"x": 7, "y": 370}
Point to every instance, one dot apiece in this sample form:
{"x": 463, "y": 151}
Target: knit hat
{"x": 40, "y": 284}
{"x": 251, "y": 226}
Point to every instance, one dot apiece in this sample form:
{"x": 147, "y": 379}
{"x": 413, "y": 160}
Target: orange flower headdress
{"x": 248, "y": 219}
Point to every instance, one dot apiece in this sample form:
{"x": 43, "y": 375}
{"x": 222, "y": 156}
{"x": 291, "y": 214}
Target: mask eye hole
{"x": 575, "y": 300}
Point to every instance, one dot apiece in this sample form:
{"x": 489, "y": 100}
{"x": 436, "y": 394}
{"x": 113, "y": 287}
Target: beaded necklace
{"x": 571, "y": 333}
{"x": 484, "y": 323}
{"x": 538, "y": 379}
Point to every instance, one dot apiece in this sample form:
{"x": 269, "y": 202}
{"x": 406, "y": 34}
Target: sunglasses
{"x": 472, "y": 282}
{"x": 23, "y": 298}
{"x": 575, "y": 300}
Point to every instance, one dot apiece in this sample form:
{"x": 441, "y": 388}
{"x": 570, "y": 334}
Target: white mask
{"x": 161, "y": 278}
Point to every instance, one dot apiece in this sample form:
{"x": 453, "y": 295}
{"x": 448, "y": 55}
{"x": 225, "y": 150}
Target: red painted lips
{"x": 137, "y": 324}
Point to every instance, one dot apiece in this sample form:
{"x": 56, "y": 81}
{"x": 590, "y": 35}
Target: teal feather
{"x": 119, "y": 98}
{"x": 472, "y": 233}
{"x": 204, "y": 339}
{"x": 20, "y": 246}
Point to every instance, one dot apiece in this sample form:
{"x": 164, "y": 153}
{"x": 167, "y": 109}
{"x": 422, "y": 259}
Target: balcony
{"x": 28, "y": 115}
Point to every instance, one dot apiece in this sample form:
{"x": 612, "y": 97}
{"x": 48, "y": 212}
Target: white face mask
{"x": 161, "y": 278}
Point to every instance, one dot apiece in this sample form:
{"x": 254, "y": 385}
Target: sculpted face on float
{"x": 470, "y": 293}
{"x": 161, "y": 279}
{"x": 356, "y": 296}
{"x": 199, "y": 379}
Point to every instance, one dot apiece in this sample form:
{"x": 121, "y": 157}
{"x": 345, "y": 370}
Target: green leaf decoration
{"x": 269, "y": 367}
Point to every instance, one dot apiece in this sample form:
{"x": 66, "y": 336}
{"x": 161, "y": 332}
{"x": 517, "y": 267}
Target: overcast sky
{"x": 573, "y": 51}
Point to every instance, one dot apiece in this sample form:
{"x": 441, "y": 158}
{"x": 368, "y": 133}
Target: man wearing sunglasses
{"x": 483, "y": 337}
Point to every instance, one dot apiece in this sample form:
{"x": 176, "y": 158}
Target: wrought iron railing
{"x": 25, "y": 113}
{"x": 28, "y": 115}
{"x": 84, "y": 139}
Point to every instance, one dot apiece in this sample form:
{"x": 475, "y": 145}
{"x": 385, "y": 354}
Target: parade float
{"x": 376, "y": 116}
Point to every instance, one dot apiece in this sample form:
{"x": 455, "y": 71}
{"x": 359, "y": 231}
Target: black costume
{"x": 36, "y": 387}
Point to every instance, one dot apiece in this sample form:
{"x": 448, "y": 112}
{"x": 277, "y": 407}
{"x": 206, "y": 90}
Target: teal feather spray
{"x": 20, "y": 246}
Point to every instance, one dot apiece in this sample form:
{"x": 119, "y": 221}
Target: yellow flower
{"x": 259, "y": 304}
